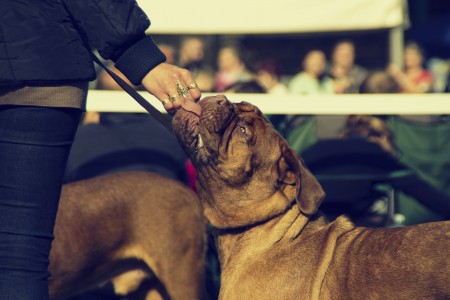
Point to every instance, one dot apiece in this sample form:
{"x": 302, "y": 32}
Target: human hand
{"x": 339, "y": 72}
{"x": 341, "y": 84}
{"x": 393, "y": 70}
{"x": 172, "y": 85}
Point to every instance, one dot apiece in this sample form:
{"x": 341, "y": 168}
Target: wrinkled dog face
{"x": 222, "y": 139}
{"x": 245, "y": 170}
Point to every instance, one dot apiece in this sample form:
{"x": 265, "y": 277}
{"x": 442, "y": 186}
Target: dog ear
{"x": 300, "y": 182}
{"x": 287, "y": 171}
{"x": 311, "y": 192}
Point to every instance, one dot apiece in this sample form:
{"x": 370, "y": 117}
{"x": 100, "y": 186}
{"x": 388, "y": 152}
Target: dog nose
{"x": 225, "y": 103}
{"x": 221, "y": 101}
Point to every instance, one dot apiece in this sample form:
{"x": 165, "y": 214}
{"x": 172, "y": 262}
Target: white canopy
{"x": 264, "y": 16}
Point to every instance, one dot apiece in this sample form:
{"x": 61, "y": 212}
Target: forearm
{"x": 117, "y": 30}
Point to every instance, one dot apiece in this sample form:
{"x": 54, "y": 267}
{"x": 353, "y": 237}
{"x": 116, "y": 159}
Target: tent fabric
{"x": 301, "y": 132}
{"x": 282, "y": 16}
{"x": 425, "y": 148}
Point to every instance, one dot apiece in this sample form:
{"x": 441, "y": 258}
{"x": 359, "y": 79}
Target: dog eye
{"x": 243, "y": 129}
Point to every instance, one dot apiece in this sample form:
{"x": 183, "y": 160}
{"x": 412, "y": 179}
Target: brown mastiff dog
{"x": 130, "y": 228}
{"x": 271, "y": 241}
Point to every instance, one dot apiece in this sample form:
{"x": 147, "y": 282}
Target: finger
{"x": 175, "y": 98}
{"x": 170, "y": 93}
{"x": 168, "y": 106}
{"x": 194, "y": 91}
{"x": 182, "y": 89}
{"x": 166, "y": 102}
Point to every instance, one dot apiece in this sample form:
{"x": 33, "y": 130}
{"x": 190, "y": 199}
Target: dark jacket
{"x": 49, "y": 41}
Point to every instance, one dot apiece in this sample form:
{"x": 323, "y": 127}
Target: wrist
{"x": 139, "y": 59}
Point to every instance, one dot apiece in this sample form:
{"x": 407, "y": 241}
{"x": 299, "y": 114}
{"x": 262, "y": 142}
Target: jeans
{"x": 34, "y": 147}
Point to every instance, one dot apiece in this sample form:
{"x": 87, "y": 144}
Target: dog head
{"x": 246, "y": 172}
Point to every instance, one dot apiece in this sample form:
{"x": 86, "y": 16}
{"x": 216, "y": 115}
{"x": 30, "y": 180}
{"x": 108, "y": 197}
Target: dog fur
{"x": 272, "y": 241}
{"x": 131, "y": 228}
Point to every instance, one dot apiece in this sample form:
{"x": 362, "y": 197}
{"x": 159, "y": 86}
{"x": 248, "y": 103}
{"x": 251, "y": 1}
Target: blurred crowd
{"x": 317, "y": 73}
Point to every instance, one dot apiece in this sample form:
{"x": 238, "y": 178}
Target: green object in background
{"x": 301, "y": 132}
{"x": 425, "y": 148}
{"x": 414, "y": 212}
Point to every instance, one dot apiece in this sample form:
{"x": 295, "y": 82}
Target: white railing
{"x": 375, "y": 104}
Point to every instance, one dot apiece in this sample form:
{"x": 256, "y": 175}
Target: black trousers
{"x": 34, "y": 147}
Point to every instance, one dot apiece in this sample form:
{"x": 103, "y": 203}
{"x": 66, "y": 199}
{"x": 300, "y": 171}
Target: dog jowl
{"x": 240, "y": 156}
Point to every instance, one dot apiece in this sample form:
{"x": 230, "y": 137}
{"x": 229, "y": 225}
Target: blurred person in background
{"x": 440, "y": 70}
{"x": 312, "y": 80}
{"x": 371, "y": 128}
{"x": 106, "y": 82}
{"x": 268, "y": 76}
{"x": 251, "y": 86}
{"x": 231, "y": 68}
{"x": 414, "y": 78}
{"x": 192, "y": 52}
{"x": 169, "y": 51}
{"x": 300, "y": 130}
{"x": 192, "y": 58}
{"x": 379, "y": 82}
{"x": 347, "y": 76}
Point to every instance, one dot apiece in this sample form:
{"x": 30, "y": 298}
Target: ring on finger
{"x": 174, "y": 98}
{"x": 165, "y": 101}
{"x": 183, "y": 91}
{"x": 192, "y": 86}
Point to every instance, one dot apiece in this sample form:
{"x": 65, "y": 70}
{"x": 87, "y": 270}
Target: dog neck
{"x": 263, "y": 235}
{"x": 243, "y": 228}
{"x": 238, "y": 215}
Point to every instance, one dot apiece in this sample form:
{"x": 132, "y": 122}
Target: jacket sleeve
{"x": 117, "y": 30}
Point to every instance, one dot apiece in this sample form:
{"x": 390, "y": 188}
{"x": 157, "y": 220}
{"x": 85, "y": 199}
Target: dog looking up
{"x": 271, "y": 240}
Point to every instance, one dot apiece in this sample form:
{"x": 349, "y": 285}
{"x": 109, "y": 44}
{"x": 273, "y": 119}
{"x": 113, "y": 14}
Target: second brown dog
{"x": 129, "y": 228}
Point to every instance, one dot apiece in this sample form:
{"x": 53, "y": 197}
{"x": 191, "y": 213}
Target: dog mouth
{"x": 199, "y": 133}
{"x": 192, "y": 107}
{"x": 186, "y": 125}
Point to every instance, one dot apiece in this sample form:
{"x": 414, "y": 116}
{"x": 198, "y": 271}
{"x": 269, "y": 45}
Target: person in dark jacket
{"x": 45, "y": 67}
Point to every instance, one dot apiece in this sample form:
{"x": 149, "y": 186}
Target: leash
{"x": 160, "y": 117}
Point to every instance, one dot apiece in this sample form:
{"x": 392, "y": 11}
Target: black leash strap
{"x": 161, "y": 118}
